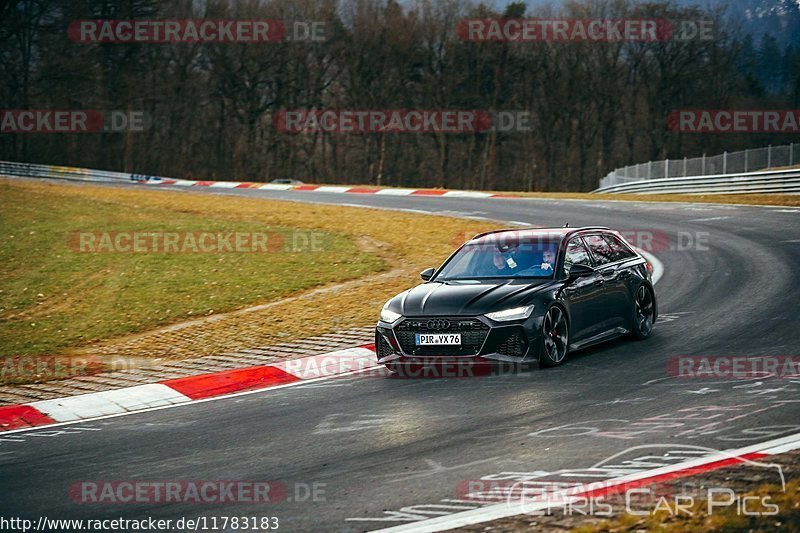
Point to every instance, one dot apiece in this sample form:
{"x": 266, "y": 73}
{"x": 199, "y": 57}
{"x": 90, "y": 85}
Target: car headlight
{"x": 515, "y": 313}
{"x": 389, "y": 316}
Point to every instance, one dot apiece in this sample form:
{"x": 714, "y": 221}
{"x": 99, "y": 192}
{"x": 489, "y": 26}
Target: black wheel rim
{"x": 644, "y": 310}
{"x": 554, "y": 333}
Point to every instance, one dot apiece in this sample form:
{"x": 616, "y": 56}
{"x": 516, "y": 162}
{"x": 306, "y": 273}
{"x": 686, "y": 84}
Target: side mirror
{"x": 580, "y": 271}
{"x": 427, "y": 274}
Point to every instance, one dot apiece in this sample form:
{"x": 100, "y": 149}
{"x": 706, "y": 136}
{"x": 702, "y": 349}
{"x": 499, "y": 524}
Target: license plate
{"x": 439, "y": 339}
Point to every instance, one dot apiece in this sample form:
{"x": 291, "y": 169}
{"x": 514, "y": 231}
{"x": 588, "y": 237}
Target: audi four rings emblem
{"x": 438, "y": 324}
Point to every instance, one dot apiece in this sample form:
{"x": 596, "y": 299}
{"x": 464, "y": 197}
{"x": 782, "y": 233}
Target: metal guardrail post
{"x": 642, "y": 173}
{"x": 765, "y": 182}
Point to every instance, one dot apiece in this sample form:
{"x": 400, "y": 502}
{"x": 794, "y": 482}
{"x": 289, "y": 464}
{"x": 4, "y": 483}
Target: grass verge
{"x": 55, "y": 300}
{"x": 55, "y": 296}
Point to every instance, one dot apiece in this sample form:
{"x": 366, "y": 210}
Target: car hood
{"x": 466, "y": 298}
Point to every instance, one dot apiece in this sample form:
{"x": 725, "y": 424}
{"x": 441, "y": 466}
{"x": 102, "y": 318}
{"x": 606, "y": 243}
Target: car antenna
{"x": 566, "y": 225}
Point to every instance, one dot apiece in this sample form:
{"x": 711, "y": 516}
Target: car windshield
{"x": 486, "y": 260}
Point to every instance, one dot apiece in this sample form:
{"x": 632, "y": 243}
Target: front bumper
{"x": 484, "y": 341}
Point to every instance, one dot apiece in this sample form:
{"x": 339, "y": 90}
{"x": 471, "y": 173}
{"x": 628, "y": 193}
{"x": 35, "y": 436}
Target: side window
{"x": 576, "y": 254}
{"x": 601, "y": 251}
{"x": 618, "y": 248}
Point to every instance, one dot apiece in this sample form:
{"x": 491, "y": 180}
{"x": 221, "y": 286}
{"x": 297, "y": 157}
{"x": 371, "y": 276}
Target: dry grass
{"x": 723, "y": 519}
{"x": 106, "y": 303}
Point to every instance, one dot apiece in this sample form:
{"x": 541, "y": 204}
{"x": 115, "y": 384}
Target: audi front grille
{"x": 473, "y": 334}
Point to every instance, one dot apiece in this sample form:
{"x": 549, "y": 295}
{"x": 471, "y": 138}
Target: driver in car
{"x": 545, "y": 268}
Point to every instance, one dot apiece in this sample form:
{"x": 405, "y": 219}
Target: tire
{"x": 643, "y": 313}
{"x": 555, "y": 337}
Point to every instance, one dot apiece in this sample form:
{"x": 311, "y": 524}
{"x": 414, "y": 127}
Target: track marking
{"x": 438, "y": 468}
{"x": 702, "y": 392}
{"x": 709, "y": 219}
{"x": 713, "y": 461}
{"x": 621, "y": 400}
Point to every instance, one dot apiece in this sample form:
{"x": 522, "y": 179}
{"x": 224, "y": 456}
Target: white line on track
{"x": 709, "y": 219}
{"x": 507, "y": 509}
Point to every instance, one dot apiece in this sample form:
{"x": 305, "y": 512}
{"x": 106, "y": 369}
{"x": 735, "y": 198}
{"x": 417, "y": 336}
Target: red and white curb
{"x": 328, "y": 188}
{"x": 713, "y": 461}
{"x": 185, "y": 390}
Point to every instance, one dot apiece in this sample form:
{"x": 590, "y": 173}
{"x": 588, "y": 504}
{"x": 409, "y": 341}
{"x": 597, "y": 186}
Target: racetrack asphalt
{"x": 381, "y": 451}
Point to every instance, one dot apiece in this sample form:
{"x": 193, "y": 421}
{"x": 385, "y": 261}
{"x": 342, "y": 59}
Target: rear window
{"x": 619, "y": 250}
{"x": 601, "y": 250}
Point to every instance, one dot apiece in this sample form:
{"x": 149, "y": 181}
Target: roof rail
{"x": 572, "y": 230}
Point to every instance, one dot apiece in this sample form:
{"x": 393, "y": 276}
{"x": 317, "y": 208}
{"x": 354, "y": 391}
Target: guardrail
{"x": 769, "y": 182}
{"x": 30, "y": 170}
{"x": 729, "y": 163}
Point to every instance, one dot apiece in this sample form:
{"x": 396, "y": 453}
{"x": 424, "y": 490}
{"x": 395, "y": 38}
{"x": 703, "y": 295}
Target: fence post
{"x": 684, "y": 166}
{"x": 703, "y": 165}
{"x": 666, "y": 168}
{"x": 791, "y": 154}
{"x": 649, "y": 170}
{"x": 746, "y": 153}
{"x": 724, "y": 162}
{"x": 769, "y": 156}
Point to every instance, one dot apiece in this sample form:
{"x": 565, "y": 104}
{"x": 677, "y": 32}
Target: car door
{"x": 611, "y": 300}
{"x": 582, "y": 294}
{"x": 623, "y": 259}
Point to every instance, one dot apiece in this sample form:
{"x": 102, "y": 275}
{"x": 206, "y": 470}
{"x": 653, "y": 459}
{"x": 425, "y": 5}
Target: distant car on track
{"x": 521, "y": 296}
{"x": 286, "y": 181}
